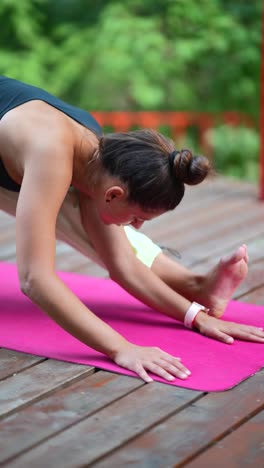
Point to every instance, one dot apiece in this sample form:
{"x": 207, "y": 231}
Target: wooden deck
{"x": 56, "y": 414}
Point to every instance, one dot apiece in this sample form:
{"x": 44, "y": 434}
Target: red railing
{"x": 178, "y": 122}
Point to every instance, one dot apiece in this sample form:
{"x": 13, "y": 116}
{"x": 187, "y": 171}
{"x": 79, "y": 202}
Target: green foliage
{"x": 132, "y": 55}
{"x": 137, "y": 55}
{"x": 236, "y": 151}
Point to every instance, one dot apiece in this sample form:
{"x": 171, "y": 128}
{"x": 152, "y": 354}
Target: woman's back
{"x": 14, "y": 93}
{"x": 26, "y": 117}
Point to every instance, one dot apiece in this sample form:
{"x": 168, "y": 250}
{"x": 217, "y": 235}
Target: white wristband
{"x": 191, "y": 313}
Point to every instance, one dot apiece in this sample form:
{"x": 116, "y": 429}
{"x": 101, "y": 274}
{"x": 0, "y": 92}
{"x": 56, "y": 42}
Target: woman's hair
{"x": 154, "y": 172}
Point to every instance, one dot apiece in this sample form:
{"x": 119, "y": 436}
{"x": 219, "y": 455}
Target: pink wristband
{"x": 191, "y": 313}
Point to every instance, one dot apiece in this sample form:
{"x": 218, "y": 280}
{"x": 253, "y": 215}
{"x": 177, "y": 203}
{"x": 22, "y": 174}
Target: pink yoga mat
{"x": 215, "y": 366}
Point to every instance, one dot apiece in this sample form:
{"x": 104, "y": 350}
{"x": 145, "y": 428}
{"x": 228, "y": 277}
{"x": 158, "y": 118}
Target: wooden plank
{"x": 208, "y": 218}
{"x": 8, "y": 251}
{"x": 6, "y": 219}
{"x": 71, "y": 446}
{"x": 255, "y": 250}
{"x": 13, "y": 362}
{"x": 205, "y": 242}
{"x": 254, "y": 297}
{"x": 63, "y": 408}
{"x": 212, "y": 228}
{"x": 8, "y": 233}
{"x": 68, "y": 258}
{"x": 92, "y": 269}
{"x": 182, "y": 436}
{"x": 201, "y": 212}
{"x": 254, "y": 280}
{"x": 31, "y": 384}
{"x": 232, "y": 239}
{"x": 240, "y": 449}
{"x": 109, "y": 428}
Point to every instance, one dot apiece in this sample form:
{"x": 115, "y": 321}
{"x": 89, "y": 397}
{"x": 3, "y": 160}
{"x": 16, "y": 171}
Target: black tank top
{"x": 13, "y": 93}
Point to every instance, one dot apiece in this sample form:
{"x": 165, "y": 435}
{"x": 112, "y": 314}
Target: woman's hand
{"x": 140, "y": 358}
{"x": 227, "y": 331}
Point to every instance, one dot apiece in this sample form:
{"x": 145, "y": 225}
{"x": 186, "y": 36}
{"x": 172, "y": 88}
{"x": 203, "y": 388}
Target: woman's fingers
{"x": 139, "y": 369}
{"x": 168, "y": 370}
{"x": 158, "y": 370}
{"x": 248, "y": 333}
{"x": 142, "y": 359}
{"x": 162, "y": 370}
{"x": 243, "y": 332}
{"x": 219, "y": 336}
{"x": 166, "y": 366}
{"x": 227, "y": 331}
{"x": 172, "y": 364}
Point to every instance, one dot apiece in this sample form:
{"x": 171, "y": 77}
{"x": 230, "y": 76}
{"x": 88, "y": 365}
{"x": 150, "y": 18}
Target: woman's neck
{"x": 86, "y": 161}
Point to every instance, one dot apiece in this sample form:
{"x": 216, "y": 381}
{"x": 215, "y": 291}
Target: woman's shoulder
{"x": 34, "y": 123}
{"x": 27, "y": 138}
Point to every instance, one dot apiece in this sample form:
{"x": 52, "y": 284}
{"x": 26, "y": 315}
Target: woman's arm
{"x": 47, "y": 175}
{"x": 115, "y": 251}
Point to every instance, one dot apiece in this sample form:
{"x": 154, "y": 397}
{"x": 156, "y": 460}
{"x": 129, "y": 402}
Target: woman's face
{"x": 113, "y": 208}
{"x": 124, "y": 213}
{"x": 117, "y": 210}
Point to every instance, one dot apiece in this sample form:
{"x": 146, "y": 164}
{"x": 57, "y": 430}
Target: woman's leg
{"x": 178, "y": 277}
{"x": 213, "y": 290}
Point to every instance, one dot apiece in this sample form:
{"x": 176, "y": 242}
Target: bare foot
{"x": 223, "y": 280}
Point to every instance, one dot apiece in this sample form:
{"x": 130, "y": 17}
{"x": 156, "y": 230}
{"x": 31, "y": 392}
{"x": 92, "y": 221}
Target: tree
{"x": 132, "y": 55}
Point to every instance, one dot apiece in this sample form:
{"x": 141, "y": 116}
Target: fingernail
{"x": 183, "y": 376}
{"x": 188, "y": 372}
{"x": 230, "y": 340}
{"x": 260, "y": 328}
{"x": 171, "y": 377}
{"x": 149, "y": 380}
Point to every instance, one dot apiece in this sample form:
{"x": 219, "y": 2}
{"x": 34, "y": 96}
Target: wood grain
{"x": 58, "y": 414}
{"x": 29, "y": 385}
{"x": 181, "y": 436}
{"x": 107, "y": 429}
{"x": 61, "y": 409}
{"x": 242, "y": 448}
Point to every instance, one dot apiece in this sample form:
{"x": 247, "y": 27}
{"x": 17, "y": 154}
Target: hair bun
{"x": 190, "y": 169}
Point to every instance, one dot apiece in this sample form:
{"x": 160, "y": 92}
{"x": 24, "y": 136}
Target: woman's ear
{"x": 114, "y": 192}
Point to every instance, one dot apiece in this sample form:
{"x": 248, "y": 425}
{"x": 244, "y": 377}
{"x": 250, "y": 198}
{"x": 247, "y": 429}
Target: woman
{"x": 59, "y": 171}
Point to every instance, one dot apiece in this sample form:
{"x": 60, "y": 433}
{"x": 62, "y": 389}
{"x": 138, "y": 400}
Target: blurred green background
{"x": 177, "y": 55}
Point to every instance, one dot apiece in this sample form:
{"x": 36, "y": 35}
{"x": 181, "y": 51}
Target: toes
{"x": 246, "y": 257}
{"x": 235, "y": 257}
